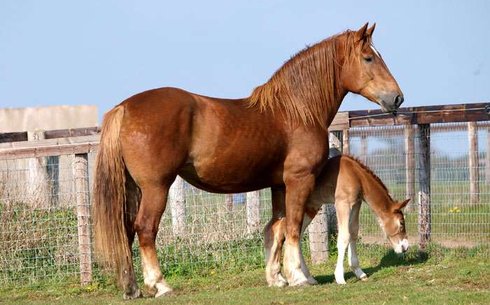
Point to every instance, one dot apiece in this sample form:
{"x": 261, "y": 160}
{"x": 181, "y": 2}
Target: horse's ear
{"x": 361, "y": 33}
{"x": 403, "y": 204}
{"x": 369, "y": 32}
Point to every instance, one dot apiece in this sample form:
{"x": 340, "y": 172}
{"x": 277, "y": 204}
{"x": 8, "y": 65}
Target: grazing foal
{"x": 347, "y": 182}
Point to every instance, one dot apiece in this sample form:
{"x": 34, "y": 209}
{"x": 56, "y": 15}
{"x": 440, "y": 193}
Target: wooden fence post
{"x": 253, "y": 212}
{"x": 177, "y": 206}
{"x": 37, "y": 176}
{"x": 424, "y": 216}
{"x": 345, "y": 142}
{"x": 409, "y": 165}
{"x": 318, "y": 236}
{"x": 229, "y": 202}
{"x": 473, "y": 162}
{"x": 80, "y": 177}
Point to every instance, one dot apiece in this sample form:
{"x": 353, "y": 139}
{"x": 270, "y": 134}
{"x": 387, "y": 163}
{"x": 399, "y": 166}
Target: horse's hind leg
{"x": 133, "y": 197}
{"x": 352, "y": 250}
{"x": 274, "y": 238}
{"x": 153, "y": 202}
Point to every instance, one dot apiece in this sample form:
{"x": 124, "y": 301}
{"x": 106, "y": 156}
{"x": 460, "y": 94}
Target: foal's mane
{"x": 369, "y": 172}
{"x": 307, "y": 86}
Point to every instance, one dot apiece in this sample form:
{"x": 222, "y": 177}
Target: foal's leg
{"x": 343, "y": 212}
{"x": 311, "y": 280}
{"x": 352, "y": 251}
{"x": 274, "y": 238}
{"x": 297, "y": 191}
{"x": 153, "y": 202}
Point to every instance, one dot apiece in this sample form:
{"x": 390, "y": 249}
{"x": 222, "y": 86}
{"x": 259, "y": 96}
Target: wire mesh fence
{"x": 38, "y": 219}
{"x": 459, "y": 200}
{"x": 41, "y": 228}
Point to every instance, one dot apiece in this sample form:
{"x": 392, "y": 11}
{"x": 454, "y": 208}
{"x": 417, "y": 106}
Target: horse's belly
{"x": 219, "y": 179}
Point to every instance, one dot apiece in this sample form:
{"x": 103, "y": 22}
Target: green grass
{"x": 442, "y": 276}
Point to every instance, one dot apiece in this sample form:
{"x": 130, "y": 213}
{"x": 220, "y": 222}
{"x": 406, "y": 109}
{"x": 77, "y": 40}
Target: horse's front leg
{"x": 352, "y": 250}
{"x": 153, "y": 202}
{"x": 298, "y": 188}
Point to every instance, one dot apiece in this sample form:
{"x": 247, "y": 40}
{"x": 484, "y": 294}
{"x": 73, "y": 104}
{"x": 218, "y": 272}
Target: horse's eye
{"x": 368, "y": 59}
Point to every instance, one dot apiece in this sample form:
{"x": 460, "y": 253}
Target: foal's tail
{"x": 110, "y": 204}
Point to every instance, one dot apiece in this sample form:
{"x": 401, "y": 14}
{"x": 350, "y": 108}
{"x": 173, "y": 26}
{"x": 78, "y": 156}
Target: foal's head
{"x": 393, "y": 224}
{"x": 364, "y": 72}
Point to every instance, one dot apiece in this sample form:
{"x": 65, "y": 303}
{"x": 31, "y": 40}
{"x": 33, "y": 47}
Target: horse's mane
{"x": 368, "y": 171}
{"x": 308, "y": 84}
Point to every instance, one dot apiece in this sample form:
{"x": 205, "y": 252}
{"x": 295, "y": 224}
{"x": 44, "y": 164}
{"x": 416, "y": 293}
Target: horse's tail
{"x": 110, "y": 217}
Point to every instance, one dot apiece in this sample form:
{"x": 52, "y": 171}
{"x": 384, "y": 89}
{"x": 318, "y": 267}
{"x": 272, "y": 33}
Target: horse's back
{"x": 217, "y": 144}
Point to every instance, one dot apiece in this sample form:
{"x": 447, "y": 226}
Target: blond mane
{"x": 369, "y": 172}
{"x": 307, "y": 86}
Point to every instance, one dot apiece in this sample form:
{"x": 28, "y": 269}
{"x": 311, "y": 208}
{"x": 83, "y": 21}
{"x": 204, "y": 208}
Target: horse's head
{"x": 393, "y": 225}
{"x": 364, "y": 72}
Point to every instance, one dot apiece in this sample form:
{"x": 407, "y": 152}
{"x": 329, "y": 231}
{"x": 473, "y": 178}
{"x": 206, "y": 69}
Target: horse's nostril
{"x": 398, "y": 100}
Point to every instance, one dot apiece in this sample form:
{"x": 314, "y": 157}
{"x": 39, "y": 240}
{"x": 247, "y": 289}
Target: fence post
{"x": 37, "y": 176}
{"x": 80, "y": 177}
{"x": 318, "y": 236}
{"x": 424, "y": 218}
{"x": 409, "y": 164}
{"x": 253, "y": 212}
{"x": 229, "y": 202}
{"x": 473, "y": 162}
{"x": 345, "y": 142}
{"x": 177, "y": 206}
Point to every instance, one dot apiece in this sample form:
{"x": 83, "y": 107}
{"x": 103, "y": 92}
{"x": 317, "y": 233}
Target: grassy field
{"x": 442, "y": 276}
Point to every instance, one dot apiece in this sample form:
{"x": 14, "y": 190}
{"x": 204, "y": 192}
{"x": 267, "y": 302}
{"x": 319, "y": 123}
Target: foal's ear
{"x": 369, "y": 32}
{"x": 403, "y": 204}
{"x": 361, "y": 33}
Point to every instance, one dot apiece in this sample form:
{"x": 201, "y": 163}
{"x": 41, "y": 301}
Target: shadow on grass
{"x": 389, "y": 259}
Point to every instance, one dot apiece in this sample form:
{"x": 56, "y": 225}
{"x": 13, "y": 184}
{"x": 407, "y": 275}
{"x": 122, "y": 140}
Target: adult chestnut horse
{"x": 275, "y": 138}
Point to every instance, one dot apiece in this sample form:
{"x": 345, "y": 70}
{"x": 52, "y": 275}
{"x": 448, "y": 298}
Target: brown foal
{"x": 347, "y": 182}
{"x": 275, "y": 138}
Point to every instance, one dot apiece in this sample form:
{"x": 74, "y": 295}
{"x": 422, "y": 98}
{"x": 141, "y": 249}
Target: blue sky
{"x": 101, "y": 52}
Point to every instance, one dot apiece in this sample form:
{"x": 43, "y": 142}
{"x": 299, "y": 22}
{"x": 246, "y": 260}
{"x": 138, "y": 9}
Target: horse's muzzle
{"x": 391, "y": 102}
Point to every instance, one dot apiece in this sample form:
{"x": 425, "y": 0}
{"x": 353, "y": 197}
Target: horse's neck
{"x": 375, "y": 195}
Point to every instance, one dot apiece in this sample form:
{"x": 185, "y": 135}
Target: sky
{"x": 101, "y": 52}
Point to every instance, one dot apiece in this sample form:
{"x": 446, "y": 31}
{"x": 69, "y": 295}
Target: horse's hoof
{"x": 363, "y": 278}
{"x": 162, "y": 290}
{"x": 301, "y": 283}
{"x": 132, "y": 295}
{"x": 279, "y": 283}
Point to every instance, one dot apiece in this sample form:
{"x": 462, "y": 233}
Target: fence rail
{"x": 437, "y": 155}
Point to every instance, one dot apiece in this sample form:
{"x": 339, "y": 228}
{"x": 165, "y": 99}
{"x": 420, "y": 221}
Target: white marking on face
{"x": 401, "y": 246}
{"x": 375, "y": 51}
{"x": 404, "y": 243}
